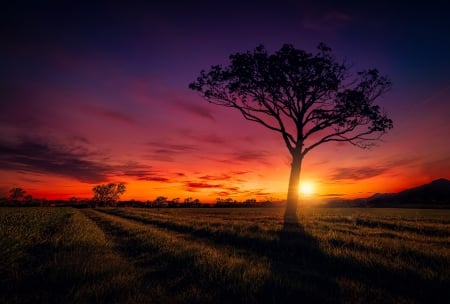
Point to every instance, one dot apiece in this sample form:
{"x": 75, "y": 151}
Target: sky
{"x": 97, "y": 92}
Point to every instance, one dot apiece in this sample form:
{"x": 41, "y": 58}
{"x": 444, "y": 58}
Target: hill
{"x": 432, "y": 195}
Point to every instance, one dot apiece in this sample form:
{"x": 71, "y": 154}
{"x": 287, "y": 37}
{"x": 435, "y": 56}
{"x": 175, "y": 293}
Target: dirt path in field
{"x": 127, "y": 245}
{"x": 149, "y": 264}
{"x": 167, "y": 263}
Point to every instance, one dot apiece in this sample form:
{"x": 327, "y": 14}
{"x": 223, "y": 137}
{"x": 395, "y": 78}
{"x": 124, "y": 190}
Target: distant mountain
{"x": 433, "y": 195}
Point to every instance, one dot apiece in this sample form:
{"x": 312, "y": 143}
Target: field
{"x": 220, "y": 255}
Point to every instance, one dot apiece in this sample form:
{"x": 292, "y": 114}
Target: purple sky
{"x": 93, "y": 93}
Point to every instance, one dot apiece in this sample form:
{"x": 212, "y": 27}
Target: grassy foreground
{"x": 127, "y": 255}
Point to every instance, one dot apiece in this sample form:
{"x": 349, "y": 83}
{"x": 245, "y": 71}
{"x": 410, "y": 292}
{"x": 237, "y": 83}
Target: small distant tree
{"x": 160, "y": 201}
{"x": 187, "y": 201}
{"x": 107, "y": 194}
{"x": 174, "y": 202}
{"x": 250, "y": 202}
{"x": 16, "y": 194}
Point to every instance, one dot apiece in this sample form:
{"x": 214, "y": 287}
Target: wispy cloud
{"x": 369, "y": 171}
{"x": 215, "y": 177}
{"x": 248, "y": 156}
{"x": 436, "y": 167}
{"x": 191, "y": 185}
{"x": 43, "y": 156}
{"x": 109, "y": 114}
{"x": 155, "y": 178}
{"x": 357, "y": 173}
{"x": 194, "y": 186}
{"x": 195, "y": 109}
{"x": 213, "y": 139}
{"x": 169, "y": 152}
{"x": 37, "y": 155}
{"x": 135, "y": 170}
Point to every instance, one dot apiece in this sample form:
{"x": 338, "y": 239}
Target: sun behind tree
{"x": 307, "y": 188}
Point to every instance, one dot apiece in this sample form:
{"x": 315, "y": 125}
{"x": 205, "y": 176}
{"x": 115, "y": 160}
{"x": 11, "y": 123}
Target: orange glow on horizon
{"x": 207, "y": 188}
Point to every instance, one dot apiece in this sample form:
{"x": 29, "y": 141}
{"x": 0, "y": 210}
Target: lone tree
{"x": 107, "y": 194}
{"x": 310, "y": 99}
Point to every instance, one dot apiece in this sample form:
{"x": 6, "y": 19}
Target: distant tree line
{"x": 108, "y": 195}
{"x": 18, "y": 197}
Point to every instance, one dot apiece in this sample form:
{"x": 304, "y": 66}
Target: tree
{"x": 160, "y": 201}
{"x": 187, "y": 201}
{"x": 309, "y": 99}
{"x": 107, "y": 194}
{"x": 16, "y": 194}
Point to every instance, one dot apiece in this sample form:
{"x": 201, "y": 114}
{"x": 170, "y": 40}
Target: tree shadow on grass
{"x": 297, "y": 271}
{"x": 302, "y": 271}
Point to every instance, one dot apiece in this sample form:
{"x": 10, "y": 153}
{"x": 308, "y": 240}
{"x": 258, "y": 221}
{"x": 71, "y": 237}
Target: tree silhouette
{"x": 107, "y": 194}
{"x": 16, "y": 194}
{"x": 310, "y": 99}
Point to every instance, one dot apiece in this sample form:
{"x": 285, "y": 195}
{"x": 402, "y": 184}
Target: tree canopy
{"x": 309, "y": 98}
{"x": 16, "y": 194}
{"x": 108, "y": 194}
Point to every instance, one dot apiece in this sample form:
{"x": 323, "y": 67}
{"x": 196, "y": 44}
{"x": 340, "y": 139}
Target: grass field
{"x": 215, "y": 255}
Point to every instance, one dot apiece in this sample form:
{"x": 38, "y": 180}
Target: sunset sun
{"x": 307, "y": 188}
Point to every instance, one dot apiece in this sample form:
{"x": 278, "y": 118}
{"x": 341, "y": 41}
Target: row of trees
{"x": 104, "y": 195}
{"x": 108, "y": 195}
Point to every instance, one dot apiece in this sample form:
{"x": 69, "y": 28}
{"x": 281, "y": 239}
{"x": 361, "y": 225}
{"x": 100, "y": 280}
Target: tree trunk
{"x": 290, "y": 215}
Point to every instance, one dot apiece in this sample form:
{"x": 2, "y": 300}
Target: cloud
{"x": 194, "y": 186}
{"x": 134, "y": 170}
{"x": 248, "y": 156}
{"x": 437, "y": 168}
{"x": 223, "y": 193}
{"x": 210, "y": 139}
{"x": 231, "y": 188}
{"x": 31, "y": 180}
{"x": 169, "y": 152}
{"x": 195, "y": 109}
{"x": 202, "y": 185}
{"x": 110, "y": 114}
{"x": 365, "y": 172}
{"x": 357, "y": 173}
{"x": 39, "y": 156}
{"x": 215, "y": 177}
{"x": 255, "y": 192}
{"x": 155, "y": 178}
{"x": 197, "y": 186}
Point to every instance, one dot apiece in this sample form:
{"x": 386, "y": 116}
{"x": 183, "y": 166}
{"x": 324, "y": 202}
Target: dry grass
{"x": 128, "y": 255}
